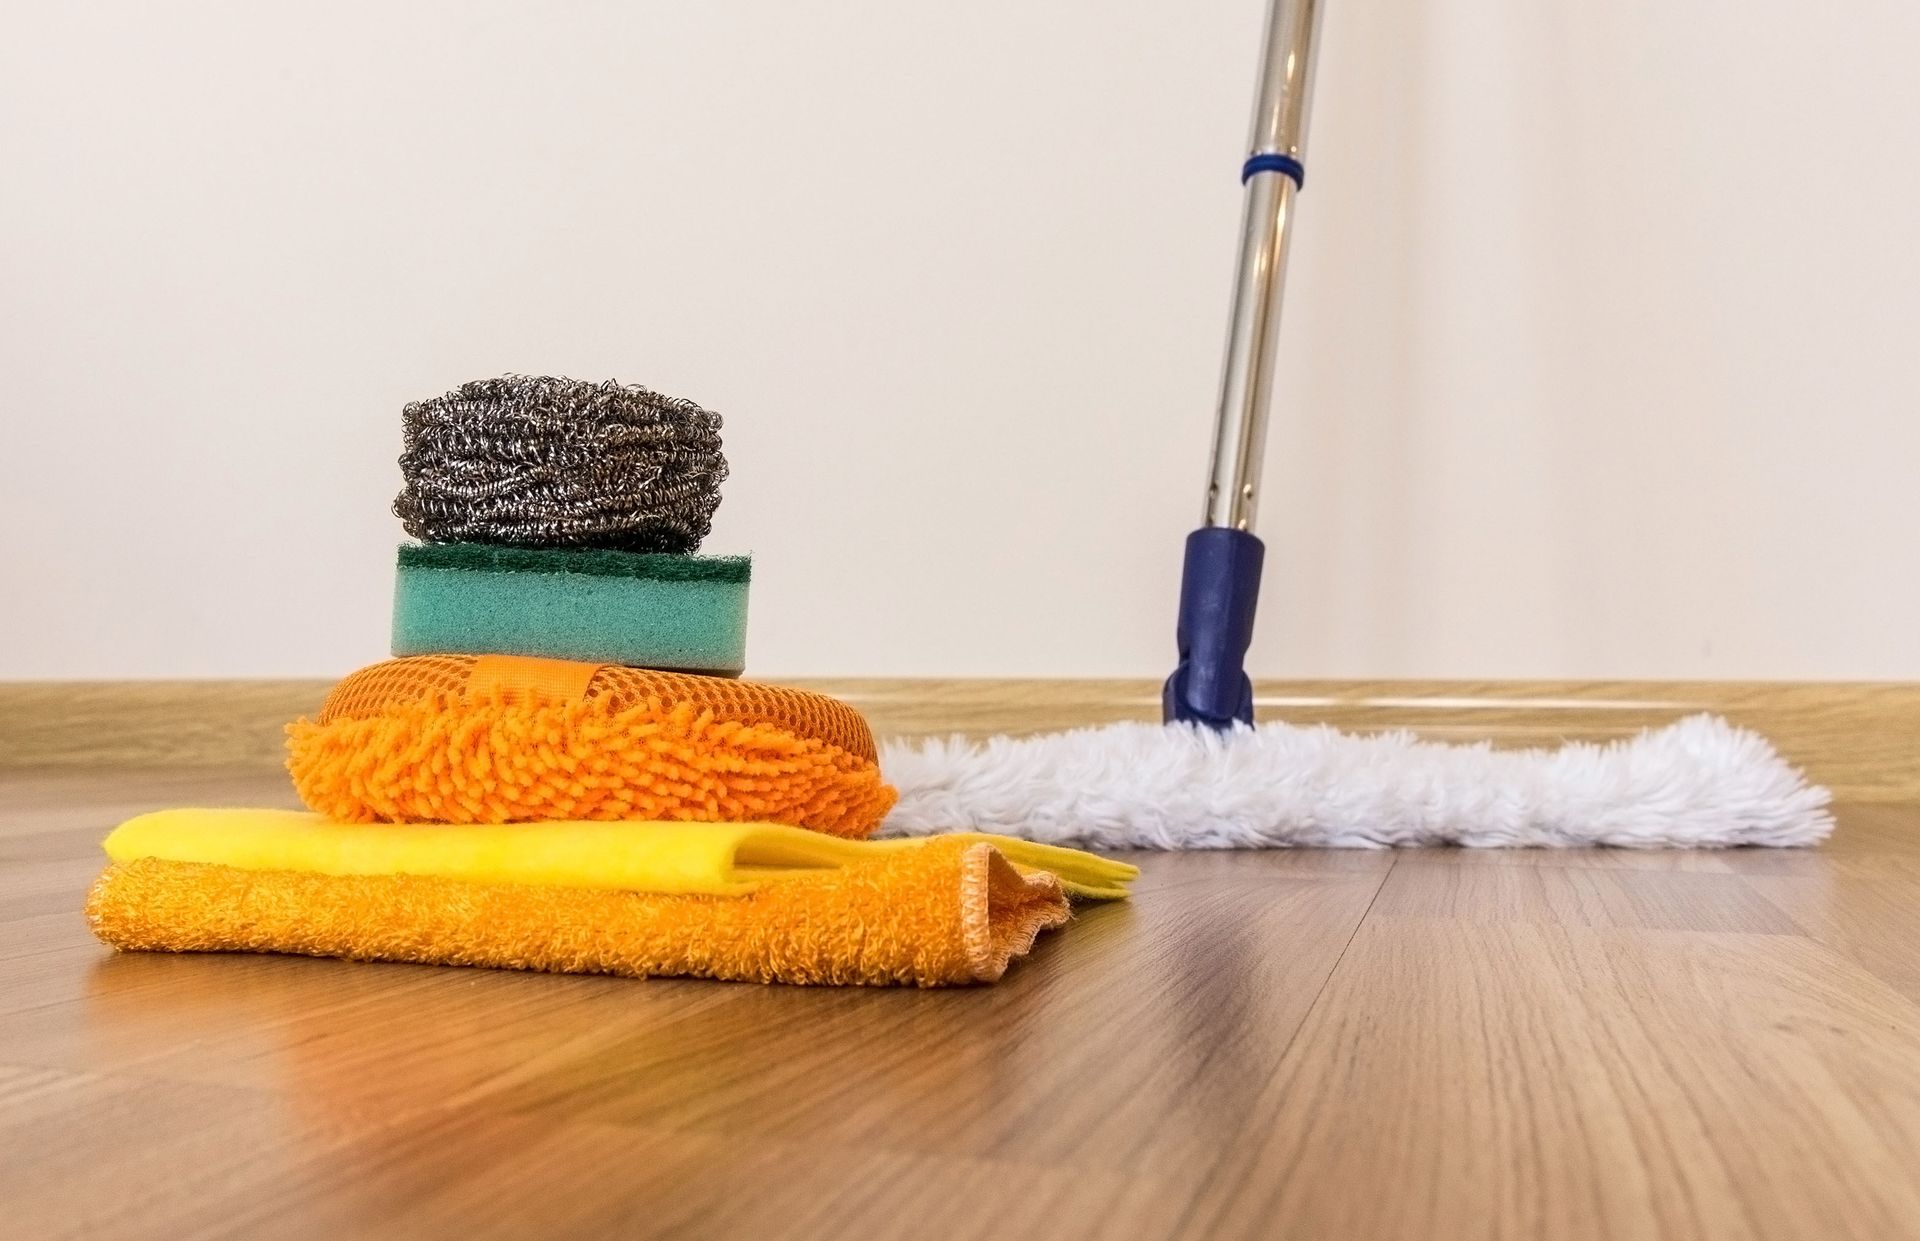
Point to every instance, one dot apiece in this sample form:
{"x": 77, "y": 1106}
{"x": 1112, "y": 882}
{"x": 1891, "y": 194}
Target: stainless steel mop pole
{"x": 1220, "y": 583}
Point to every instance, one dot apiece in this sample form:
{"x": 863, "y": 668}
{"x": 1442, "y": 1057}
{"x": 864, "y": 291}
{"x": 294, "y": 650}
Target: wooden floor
{"x": 1299, "y": 1045}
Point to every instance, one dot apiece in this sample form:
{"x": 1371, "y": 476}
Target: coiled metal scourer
{"x": 536, "y": 461}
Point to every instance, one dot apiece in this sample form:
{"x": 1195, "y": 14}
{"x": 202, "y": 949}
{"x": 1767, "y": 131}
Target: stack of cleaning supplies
{"x": 558, "y": 770}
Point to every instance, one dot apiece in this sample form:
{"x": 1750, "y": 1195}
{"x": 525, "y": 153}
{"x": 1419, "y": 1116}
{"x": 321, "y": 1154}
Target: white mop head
{"x": 1697, "y": 783}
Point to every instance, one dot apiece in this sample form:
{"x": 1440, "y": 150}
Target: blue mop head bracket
{"x": 1219, "y": 589}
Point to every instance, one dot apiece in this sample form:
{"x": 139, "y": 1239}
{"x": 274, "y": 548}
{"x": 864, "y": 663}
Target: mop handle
{"x": 1220, "y": 574}
{"x": 1273, "y": 174}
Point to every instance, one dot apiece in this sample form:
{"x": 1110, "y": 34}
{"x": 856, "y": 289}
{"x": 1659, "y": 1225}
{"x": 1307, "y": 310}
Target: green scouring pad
{"x": 643, "y": 609}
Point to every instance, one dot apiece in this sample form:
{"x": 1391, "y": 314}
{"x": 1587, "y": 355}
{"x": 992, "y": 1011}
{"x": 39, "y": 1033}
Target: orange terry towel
{"x": 952, "y": 911}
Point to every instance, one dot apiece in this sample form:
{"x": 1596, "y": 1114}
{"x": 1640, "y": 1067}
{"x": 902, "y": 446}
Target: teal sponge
{"x": 646, "y": 610}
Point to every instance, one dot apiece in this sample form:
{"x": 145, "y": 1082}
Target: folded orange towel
{"x": 506, "y": 739}
{"x": 954, "y": 911}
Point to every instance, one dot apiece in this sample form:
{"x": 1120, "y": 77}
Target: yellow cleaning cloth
{"x": 721, "y": 859}
{"x": 949, "y": 911}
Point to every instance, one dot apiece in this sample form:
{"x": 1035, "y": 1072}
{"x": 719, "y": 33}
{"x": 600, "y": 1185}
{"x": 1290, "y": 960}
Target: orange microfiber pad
{"x": 504, "y": 739}
{"x": 954, "y": 911}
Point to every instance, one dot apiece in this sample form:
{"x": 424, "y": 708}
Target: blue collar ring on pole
{"x": 1294, "y": 170}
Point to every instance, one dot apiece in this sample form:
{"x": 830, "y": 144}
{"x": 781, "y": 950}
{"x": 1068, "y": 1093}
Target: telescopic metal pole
{"x": 1220, "y": 583}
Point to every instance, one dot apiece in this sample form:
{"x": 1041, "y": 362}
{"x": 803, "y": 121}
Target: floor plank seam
{"x": 1180, "y": 1228}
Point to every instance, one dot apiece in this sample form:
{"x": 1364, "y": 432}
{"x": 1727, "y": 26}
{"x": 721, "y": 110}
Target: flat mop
{"x": 1209, "y": 778}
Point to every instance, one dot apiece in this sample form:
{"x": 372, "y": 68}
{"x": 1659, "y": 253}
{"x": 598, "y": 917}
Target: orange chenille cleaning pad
{"x": 506, "y": 739}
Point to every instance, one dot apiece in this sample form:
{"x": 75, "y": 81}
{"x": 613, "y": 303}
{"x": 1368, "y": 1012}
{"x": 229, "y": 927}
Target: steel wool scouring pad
{"x": 647, "y": 610}
{"x": 538, "y": 461}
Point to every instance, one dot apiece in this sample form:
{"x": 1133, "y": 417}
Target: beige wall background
{"x": 1601, "y": 341}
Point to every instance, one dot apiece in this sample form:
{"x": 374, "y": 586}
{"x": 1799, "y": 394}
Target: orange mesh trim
{"x": 393, "y": 683}
{"x": 419, "y": 678}
{"x": 452, "y": 758}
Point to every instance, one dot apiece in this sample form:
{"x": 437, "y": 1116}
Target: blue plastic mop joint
{"x": 1219, "y": 589}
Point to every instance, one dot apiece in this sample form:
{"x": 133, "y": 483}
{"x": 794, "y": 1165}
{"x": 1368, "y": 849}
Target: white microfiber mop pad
{"x": 1696, "y": 783}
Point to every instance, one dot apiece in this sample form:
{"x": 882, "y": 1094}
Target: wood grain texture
{"x": 1534, "y": 1045}
{"x": 149, "y": 723}
{"x": 1862, "y": 740}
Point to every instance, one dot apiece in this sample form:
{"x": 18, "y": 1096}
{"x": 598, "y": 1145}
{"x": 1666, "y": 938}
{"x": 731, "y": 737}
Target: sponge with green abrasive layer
{"x": 646, "y": 610}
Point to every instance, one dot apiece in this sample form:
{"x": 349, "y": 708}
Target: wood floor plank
{"x": 91, "y": 801}
{"x": 450, "y": 1174}
{"x": 90, "y": 1155}
{"x": 1128, "y": 1043}
{"x": 1422, "y": 887}
{"x": 354, "y": 1039}
{"x": 1525, "y": 1079}
{"x": 41, "y": 887}
{"x": 1537, "y": 1045}
{"x": 1874, "y": 923}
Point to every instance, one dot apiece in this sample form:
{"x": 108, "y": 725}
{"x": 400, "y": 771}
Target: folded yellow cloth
{"x": 723, "y": 859}
{"x": 743, "y": 901}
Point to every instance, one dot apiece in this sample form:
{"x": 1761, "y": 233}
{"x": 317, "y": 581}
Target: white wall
{"x": 1603, "y": 339}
